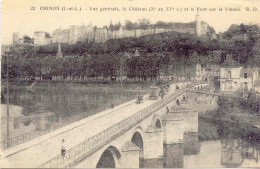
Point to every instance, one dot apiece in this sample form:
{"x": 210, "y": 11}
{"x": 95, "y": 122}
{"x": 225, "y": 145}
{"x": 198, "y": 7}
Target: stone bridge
{"x": 120, "y": 137}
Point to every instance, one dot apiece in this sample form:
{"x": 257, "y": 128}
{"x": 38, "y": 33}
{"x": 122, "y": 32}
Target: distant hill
{"x": 242, "y": 41}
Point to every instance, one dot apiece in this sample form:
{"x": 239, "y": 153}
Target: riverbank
{"x": 244, "y": 124}
{"x": 239, "y": 129}
{"x": 238, "y": 110}
{"x": 82, "y": 85}
{"x": 228, "y": 111}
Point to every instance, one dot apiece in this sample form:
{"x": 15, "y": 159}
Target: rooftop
{"x": 230, "y": 62}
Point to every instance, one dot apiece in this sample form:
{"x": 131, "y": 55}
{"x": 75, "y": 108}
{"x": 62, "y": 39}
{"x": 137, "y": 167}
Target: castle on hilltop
{"x": 74, "y": 33}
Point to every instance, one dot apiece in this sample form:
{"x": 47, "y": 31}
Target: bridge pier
{"x": 130, "y": 155}
{"x": 172, "y": 129}
{"x": 191, "y": 121}
{"x": 153, "y": 146}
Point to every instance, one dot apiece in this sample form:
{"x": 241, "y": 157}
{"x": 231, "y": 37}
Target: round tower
{"x": 198, "y": 25}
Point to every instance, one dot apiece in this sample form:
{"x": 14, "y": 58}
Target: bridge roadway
{"x": 49, "y": 145}
{"x": 36, "y": 152}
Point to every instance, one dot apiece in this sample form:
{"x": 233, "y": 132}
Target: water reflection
{"x": 173, "y": 156}
{"x": 223, "y": 145}
{"x": 191, "y": 144}
{"x": 235, "y": 151}
{"x": 152, "y": 163}
{"x": 216, "y": 145}
{"x": 49, "y": 105}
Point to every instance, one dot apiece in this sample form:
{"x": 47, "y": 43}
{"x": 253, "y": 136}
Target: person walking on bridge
{"x": 161, "y": 92}
{"x": 63, "y": 148}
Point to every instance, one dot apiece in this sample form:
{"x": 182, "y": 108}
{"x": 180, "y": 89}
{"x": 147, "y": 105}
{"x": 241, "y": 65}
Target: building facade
{"x": 88, "y": 33}
{"x": 42, "y": 38}
{"x": 74, "y": 33}
{"x": 234, "y": 77}
{"x": 19, "y": 39}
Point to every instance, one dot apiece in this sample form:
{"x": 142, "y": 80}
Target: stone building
{"x": 198, "y": 25}
{"x": 82, "y": 33}
{"x": 73, "y": 34}
{"x": 16, "y": 38}
{"x": 60, "y": 35}
{"x": 19, "y": 38}
{"x": 234, "y": 77}
{"x": 42, "y": 38}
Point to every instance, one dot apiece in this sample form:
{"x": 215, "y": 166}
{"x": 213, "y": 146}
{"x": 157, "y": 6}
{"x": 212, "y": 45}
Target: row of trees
{"x": 170, "y": 41}
{"x": 250, "y": 31}
{"x": 90, "y": 66}
{"x": 147, "y": 65}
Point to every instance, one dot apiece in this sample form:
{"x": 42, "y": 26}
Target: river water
{"x": 216, "y": 144}
{"x": 47, "y": 106}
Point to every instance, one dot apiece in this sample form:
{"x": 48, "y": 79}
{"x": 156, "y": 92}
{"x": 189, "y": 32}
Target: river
{"x": 217, "y": 144}
{"x": 47, "y": 106}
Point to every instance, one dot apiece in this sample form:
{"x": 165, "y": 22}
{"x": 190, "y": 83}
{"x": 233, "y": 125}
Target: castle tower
{"x": 198, "y": 25}
{"x": 59, "y": 53}
{"x": 120, "y": 32}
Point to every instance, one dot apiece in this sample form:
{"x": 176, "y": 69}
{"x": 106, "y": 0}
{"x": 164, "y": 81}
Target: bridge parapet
{"x": 88, "y": 147}
{"x": 81, "y": 151}
{"x": 92, "y": 143}
{"x": 212, "y": 93}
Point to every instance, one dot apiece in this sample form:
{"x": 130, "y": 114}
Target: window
{"x": 245, "y": 75}
{"x": 235, "y": 86}
{"x": 229, "y": 74}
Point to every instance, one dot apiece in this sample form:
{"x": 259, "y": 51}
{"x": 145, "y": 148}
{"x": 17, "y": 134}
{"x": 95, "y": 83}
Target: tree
{"x": 129, "y": 25}
{"x": 144, "y": 23}
{"x": 111, "y": 26}
{"x": 161, "y": 24}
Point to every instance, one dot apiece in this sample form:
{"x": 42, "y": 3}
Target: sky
{"x": 17, "y": 16}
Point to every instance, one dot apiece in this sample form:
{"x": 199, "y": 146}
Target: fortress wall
{"x": 101, "y": 35}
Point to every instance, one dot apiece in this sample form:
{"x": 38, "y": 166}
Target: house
{"x": 233, "y": 76}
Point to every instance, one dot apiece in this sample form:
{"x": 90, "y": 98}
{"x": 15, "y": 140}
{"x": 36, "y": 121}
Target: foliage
{"x": 159, "y": 54}
{"x": 246, "y": 102}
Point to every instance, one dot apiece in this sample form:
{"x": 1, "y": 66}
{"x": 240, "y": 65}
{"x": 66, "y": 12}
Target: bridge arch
{"x": 138, "y": 140}
{"x": 109, "y": 158}
{"x": 177, "y": 87}
{"x": 137, "y": 137}
{"x": 156, "y": 121}
{"x": 177, "y": 102}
